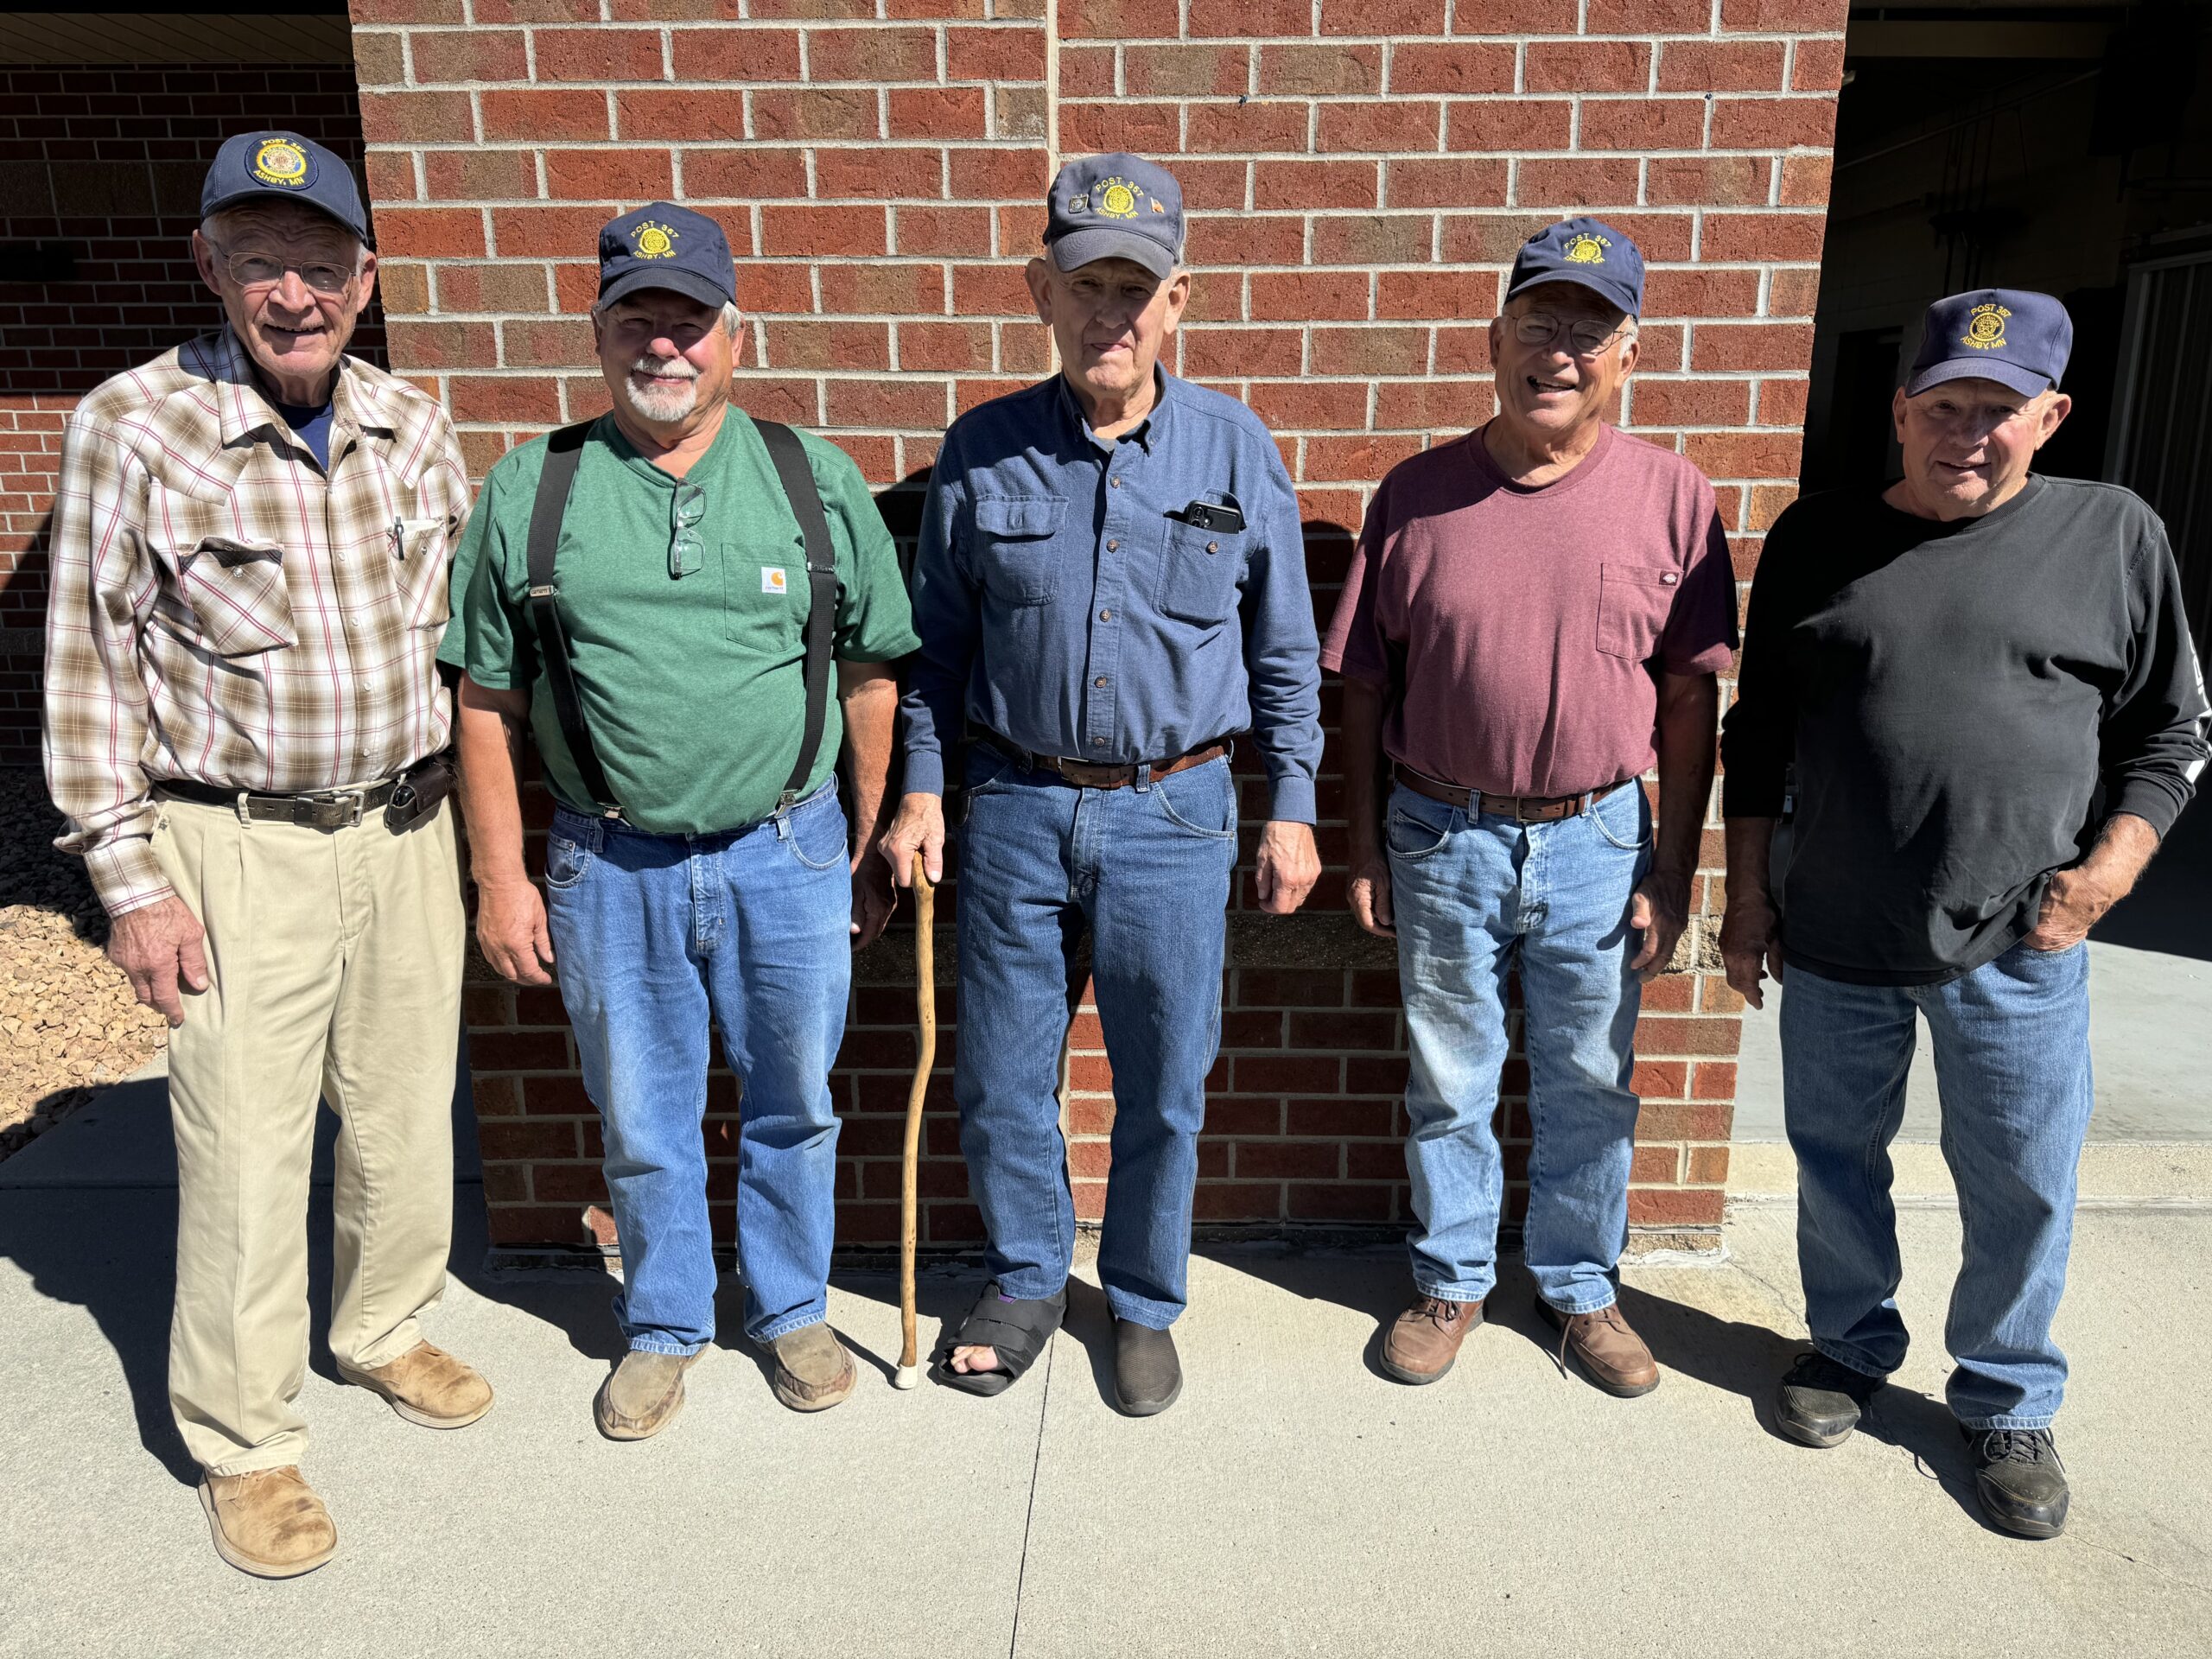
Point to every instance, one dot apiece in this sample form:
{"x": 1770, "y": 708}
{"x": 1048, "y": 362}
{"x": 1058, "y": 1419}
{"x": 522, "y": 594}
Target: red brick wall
{"x": 1359, "y": 173}
{"x": 107, "y": 159}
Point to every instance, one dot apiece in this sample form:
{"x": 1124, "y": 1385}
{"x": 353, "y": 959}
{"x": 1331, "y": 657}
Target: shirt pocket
{"x": 1199, "y": 570}
{"x": 1013, "y": 553}
{"x": 764, "y": 597}
{"x": 235, "y": 592}
{"x": 423, "y": 572}
{"x": 1633, "y": 601}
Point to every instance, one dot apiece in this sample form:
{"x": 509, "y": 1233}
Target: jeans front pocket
{"x": 568, "y": 851}
{"x": 1622, "y": 818}
{"x": 1416, "y": 827}
{"x": 1202, "y": 800}
{"x": 816, "y": 831}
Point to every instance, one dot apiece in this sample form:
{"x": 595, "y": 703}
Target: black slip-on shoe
{"x": 1820, "y": 1401}
{"x": 1147, "y": 1374}
{"x": 2019, "y": 1479}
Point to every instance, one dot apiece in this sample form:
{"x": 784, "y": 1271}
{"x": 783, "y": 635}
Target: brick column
{"x": 1360, "y": 173}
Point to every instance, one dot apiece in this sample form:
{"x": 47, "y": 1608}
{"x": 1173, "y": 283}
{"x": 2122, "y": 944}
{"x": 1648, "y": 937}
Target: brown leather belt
{"x": 1524, "y": 809}
{"x": 330, "y": 810}
{"x": 1084, "y": 774}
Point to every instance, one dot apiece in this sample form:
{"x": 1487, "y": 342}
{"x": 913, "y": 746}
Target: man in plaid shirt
{"x": 251, "y": 551}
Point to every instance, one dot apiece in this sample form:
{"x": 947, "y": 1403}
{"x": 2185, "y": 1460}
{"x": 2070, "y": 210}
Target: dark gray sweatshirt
{"x": 1966, "y": 705}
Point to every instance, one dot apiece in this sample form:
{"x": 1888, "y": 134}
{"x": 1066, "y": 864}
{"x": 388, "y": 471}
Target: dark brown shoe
{"x": 1608, "y": 1351}
{"x": 1424, "y": 1340}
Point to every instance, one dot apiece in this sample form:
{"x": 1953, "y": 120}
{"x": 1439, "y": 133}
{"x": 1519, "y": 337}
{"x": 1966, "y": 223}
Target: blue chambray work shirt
{"x": 1061, "y": 607}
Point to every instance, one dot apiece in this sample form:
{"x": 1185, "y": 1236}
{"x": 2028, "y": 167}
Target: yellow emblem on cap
{"x": 1986, "y": 327}
{"x": 1587, "y": 249}
{"x": 282, "y": 162}
{"x": 653, "y": 241}
{"x": 1118, "y": 198}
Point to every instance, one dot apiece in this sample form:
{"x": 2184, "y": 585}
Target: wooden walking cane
{"x": 909, "y": 1201}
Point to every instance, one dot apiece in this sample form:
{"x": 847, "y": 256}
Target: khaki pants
{"x": 334, "y": 961}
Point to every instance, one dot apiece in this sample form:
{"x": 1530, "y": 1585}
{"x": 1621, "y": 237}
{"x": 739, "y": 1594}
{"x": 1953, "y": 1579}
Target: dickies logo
{"x": 1986, "y": 327}
{"x": 653, "y": 241}
{"x": 1586, "y": 249}
{"x": 282, "y": 163}
{"x": 773, "y": 579}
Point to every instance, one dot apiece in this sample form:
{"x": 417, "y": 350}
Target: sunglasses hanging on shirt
{"x": 686, "y": 547}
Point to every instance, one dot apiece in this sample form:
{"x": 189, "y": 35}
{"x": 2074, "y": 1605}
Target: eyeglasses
{"x": 686, "y": 548}
{"x": 262, "y": 270}
{"x": 1587, "y": 336}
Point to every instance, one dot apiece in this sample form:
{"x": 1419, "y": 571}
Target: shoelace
{"x": 1439, "y": 1313}
{"x": 2018, "y": 1445}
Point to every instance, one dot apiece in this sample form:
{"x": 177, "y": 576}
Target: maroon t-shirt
{"x": 1523, "y": 626}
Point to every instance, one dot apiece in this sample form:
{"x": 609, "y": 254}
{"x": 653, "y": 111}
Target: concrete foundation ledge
{"x": 2130, "y": 1175}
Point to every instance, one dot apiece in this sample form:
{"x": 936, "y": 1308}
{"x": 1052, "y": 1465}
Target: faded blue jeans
{"x": 1475, "y": 898}
{"x": 2012, "y": 1067}
{"x": 654, "y": 936}
{"x": 1145, "y": 869}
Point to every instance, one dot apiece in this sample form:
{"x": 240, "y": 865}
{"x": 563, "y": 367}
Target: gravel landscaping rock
{"x": 68, "y": 1020}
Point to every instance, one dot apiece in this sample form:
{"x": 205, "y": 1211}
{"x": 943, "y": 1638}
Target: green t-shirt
{"x": 693, "y": 685}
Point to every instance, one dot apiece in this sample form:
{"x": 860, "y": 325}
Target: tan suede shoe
{"x": 268, "y": 1522}
{"x": 643, "y": 1395}
{"x": 1424, "y": 1340}
{"x": 1610, "y": 1352}
{"x": 813, "y": 1370}
{"x": 428, "y": 1386}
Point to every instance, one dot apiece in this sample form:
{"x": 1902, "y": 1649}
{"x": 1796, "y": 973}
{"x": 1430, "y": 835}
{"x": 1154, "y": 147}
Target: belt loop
{"x": 239, "y": 806}
{"x": 1142, "y": 779}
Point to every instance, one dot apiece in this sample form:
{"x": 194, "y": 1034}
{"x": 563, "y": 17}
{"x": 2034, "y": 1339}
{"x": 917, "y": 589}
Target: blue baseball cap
{"x": 1586, "y": 251}
{"x": 662, "y": 245}
{"x": 1116, "y": 206}
{"x": 2011, "y": 335}
{"x": 255, "y": 166}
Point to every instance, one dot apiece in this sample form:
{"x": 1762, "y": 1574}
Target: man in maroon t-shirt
{"x": 1534, "y": 613}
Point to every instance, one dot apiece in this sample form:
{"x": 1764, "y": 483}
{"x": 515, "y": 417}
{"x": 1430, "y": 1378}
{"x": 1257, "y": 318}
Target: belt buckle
{"x": 1083, "y": 774}
{"x": 334, "y": 811}
{"x": 1521, "y": 814}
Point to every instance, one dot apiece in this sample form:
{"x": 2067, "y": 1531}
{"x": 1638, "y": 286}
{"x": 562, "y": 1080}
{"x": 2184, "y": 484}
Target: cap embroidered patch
{"x": 1986, "y": 330}
{"x": 1587, "y": 249}
{"x": 773, "y": 581}
{"x": 283, "y": 163}
{"x": 1118, "y": 198}
{"x": 653, "y": 241}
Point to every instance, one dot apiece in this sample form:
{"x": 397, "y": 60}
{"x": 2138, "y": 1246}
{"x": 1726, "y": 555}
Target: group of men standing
{"x": 275, "y": 615}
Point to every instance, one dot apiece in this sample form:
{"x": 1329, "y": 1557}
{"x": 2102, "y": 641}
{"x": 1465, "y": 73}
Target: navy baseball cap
{"x": 2011, "y": 335}
{"x": 1586, "y": 251}
{"x": 1116, "y": 206}
{"x": 255, "y": 166}
{"x": 662, "y": 245}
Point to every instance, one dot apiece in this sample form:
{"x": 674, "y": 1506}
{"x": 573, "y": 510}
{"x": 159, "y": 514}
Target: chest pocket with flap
{"x": 1199, "y": 570}
{"x": 237, "y": 594}
{"x": 1014, "y": 552}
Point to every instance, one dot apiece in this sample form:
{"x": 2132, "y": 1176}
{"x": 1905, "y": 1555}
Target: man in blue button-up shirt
{"x": 1111, "y": 586}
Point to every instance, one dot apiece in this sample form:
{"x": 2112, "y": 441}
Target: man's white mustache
{"x": 673, "y": 369}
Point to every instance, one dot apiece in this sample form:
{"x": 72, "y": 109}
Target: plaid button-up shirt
{"x": 222, "y": 612}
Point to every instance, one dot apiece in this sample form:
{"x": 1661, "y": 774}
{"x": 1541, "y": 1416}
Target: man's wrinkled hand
{"x": 1751, "y": 943}
{"x": 511, "y": 929}
{"x": 1369, "y": 893}
{"x": 874, "y": 900}
{"x": 1660, "y": 909}
{"x": 159, "y": 947}
{"x": 919, "y": 826}
{"x": 2073, "y": 903}
{"x": 1289, "y": 864}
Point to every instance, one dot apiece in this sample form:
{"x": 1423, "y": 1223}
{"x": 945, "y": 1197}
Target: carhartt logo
{"x": 1986, "y": 329}
{"x": 772, "y": 580}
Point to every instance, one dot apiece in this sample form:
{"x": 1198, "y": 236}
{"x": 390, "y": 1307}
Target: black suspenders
{"x": 563, "y": 451}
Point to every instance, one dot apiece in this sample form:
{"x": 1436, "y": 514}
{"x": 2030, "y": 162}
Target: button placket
{"x": 1111, "y": 563}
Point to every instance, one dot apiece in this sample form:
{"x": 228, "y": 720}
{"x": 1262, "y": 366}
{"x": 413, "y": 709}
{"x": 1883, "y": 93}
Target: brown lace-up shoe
{"x": 813, "y": 1370}
{"x": 268, "y": 1522}
{"x": 1425, "y": 1339}
{"x": 428, "y": 1386}
{"x": 1608, "y": 1351}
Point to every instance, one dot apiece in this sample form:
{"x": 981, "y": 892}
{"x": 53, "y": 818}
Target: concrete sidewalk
{"x": 1294, "y": 1503}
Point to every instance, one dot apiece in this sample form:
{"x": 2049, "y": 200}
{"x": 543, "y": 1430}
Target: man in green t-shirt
{"x": 702, "y": 873}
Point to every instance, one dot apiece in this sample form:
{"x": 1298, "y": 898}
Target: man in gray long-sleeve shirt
{"x": 1985, "y": 681}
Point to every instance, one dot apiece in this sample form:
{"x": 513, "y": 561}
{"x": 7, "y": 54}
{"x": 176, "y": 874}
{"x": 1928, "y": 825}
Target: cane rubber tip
{"x": 906, "y": 1376}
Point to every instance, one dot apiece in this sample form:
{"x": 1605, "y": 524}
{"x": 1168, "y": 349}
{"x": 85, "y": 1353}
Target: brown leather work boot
{"x": 1610, "y": 1352}
{"x": 1425, "y": 1339}
{"x": 642, "y": 1394}
{"x": 268, "y": 1522}
{"x": 428, "y": 1386}
{"x": 813, "y": 1370}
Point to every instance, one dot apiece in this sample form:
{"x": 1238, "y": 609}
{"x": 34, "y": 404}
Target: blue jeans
{"x": 2012, "y": 1068}
{"x": 1146, "y": 870}
{"x": 653, "y": 935}
{"x": 1476, "y": 898}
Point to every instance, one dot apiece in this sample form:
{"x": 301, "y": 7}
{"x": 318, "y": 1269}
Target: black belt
{"x": 330, "y": 809}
